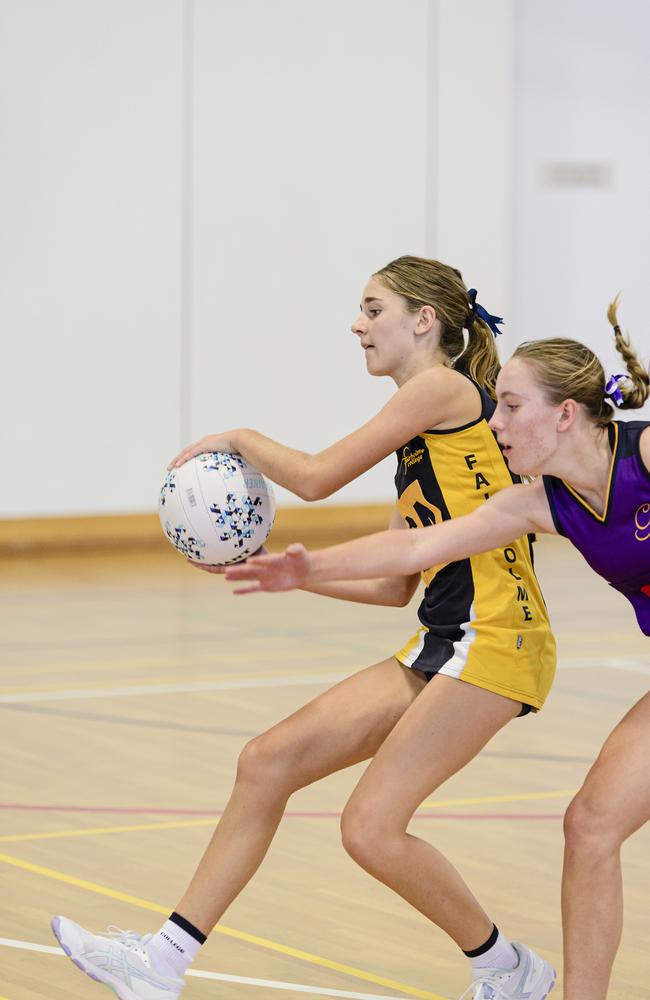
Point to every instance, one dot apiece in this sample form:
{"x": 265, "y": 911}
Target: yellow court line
{"x": 97, "y": 831}
{"x": 524, "y": 797}
{"x": 261, "y": 942}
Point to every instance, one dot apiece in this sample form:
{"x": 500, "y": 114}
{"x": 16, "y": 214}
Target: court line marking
{"x": 169, "y": 688}
{"x": 187, "y": 824}
{"x": 523, "y": 797}
{"x": 270, "y": 984}
{"x": 631, "y": 665}
{"x": 98, "y": 831}
{"x": 214, "y": 817}
{"x": 261, "y": 942}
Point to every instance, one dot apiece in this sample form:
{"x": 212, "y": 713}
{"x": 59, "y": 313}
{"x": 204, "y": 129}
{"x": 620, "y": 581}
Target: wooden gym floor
{"x": 128, "y": 685}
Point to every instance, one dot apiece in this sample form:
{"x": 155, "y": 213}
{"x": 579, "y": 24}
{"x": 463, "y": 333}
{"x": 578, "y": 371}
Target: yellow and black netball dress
{"x": 483, "y": 619}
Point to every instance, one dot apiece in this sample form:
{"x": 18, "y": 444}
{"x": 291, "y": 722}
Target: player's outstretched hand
{"x": 222, "y": 569}
{"x": 211, "y": 442}
{"x": 277, "y": 571}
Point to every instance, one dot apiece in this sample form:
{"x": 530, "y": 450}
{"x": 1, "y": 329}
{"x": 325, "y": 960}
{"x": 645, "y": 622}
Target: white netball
{"x": 216, "y": 508}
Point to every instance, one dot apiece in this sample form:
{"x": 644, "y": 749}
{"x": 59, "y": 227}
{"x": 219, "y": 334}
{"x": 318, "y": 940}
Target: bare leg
{"x": 613, "y": 802}
{"x": 341, "y": 727}
{"x": 439, "y": 734}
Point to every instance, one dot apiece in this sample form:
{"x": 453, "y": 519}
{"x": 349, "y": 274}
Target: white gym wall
{"x": 580, "y": 172}
{"x": 90, "y": 182}
{"x": 194, "y": 193}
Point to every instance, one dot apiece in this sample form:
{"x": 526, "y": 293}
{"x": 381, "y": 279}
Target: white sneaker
{"x": 119, "y": 959}
{"x": 532, "y": 979}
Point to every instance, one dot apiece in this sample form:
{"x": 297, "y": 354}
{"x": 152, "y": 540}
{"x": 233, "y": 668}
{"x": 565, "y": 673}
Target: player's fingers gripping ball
{"x": 216, "y": 509}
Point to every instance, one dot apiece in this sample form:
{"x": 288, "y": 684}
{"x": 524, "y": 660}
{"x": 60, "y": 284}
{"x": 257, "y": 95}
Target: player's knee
{"x": 591, "y": 825}
{"x": 364, "y": 835}
{"x": 266, "y": 765}
{"x": 357, "y": 840}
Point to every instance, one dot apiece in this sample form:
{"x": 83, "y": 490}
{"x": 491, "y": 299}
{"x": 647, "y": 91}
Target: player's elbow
{"x": 313, "y": 491}
{"x": 402, "y": 599}
{"x": 315, "y": 483}
{"x": 396, "y": 590}
{"x": 393, "y": 591}
{"x": 404, "y": 589}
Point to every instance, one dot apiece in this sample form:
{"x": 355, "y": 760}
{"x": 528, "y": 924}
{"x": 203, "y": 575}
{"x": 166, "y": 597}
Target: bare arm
{"x": 508, "y": 515}
{"x": 422, "y": 402}
{"x": 644, "y": 447}
{"x": 389, "y": 591}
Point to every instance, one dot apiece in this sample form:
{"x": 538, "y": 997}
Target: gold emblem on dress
{"x": 410, "y": 458}
{"x": 642, "y": 522}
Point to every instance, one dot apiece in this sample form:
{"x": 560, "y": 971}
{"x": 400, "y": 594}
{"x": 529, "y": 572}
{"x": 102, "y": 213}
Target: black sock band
{"x": 189, "y": 928}
{"x": 484, "y": 947}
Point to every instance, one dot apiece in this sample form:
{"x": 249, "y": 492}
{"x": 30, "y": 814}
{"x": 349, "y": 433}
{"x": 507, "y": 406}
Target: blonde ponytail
{"x": 636, "y": 394}
{"x": 480, "y": 359}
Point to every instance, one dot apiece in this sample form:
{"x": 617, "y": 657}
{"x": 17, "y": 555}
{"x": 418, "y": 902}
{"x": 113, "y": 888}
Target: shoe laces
{"x": 487, "y": 987}
{"x": 130, "y": 939}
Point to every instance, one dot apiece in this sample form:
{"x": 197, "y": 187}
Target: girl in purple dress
{"x": 554, "y": 420}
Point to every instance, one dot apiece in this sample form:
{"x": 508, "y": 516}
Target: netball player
{"x": 554, "y": 421}
{"x": 482, "y": 655}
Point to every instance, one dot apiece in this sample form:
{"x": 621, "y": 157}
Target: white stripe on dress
{"x": 455, "y": 666}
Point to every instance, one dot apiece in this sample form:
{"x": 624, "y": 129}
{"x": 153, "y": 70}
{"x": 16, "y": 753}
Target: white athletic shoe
{"x": 119, "y": 959}
{"x": 532, "y": 979}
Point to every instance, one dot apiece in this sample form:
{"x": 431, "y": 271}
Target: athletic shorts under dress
{"x": 483, "y": 619}
{"x": 616, "y": 543}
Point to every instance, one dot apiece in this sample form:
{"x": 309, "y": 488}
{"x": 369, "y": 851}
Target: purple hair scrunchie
{"x": 612, "y": 388}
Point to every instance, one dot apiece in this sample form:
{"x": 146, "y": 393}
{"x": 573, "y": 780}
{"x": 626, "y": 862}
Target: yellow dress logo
{"x": 642, "y": 522}
{"x": 410, "y": 458}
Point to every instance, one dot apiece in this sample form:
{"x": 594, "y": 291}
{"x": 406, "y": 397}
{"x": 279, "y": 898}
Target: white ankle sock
{"x": 172, "y": 949}
{"x": 500, "y": 955}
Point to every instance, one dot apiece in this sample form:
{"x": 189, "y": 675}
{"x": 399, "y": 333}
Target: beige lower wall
{"x": 319, "y": 525}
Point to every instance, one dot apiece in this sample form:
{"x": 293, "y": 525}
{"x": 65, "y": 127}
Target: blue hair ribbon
{"x": 612, "y": 389}
{"x": 476, "y": 309}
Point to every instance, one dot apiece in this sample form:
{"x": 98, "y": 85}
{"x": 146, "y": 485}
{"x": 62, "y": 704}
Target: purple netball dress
{"x": 616, "y": 544}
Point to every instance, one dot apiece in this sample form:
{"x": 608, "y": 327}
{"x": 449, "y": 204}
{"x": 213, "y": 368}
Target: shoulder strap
{"x": 551, "y": 485}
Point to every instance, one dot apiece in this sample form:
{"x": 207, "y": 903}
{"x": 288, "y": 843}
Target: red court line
{"x": 291, "y": 814}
